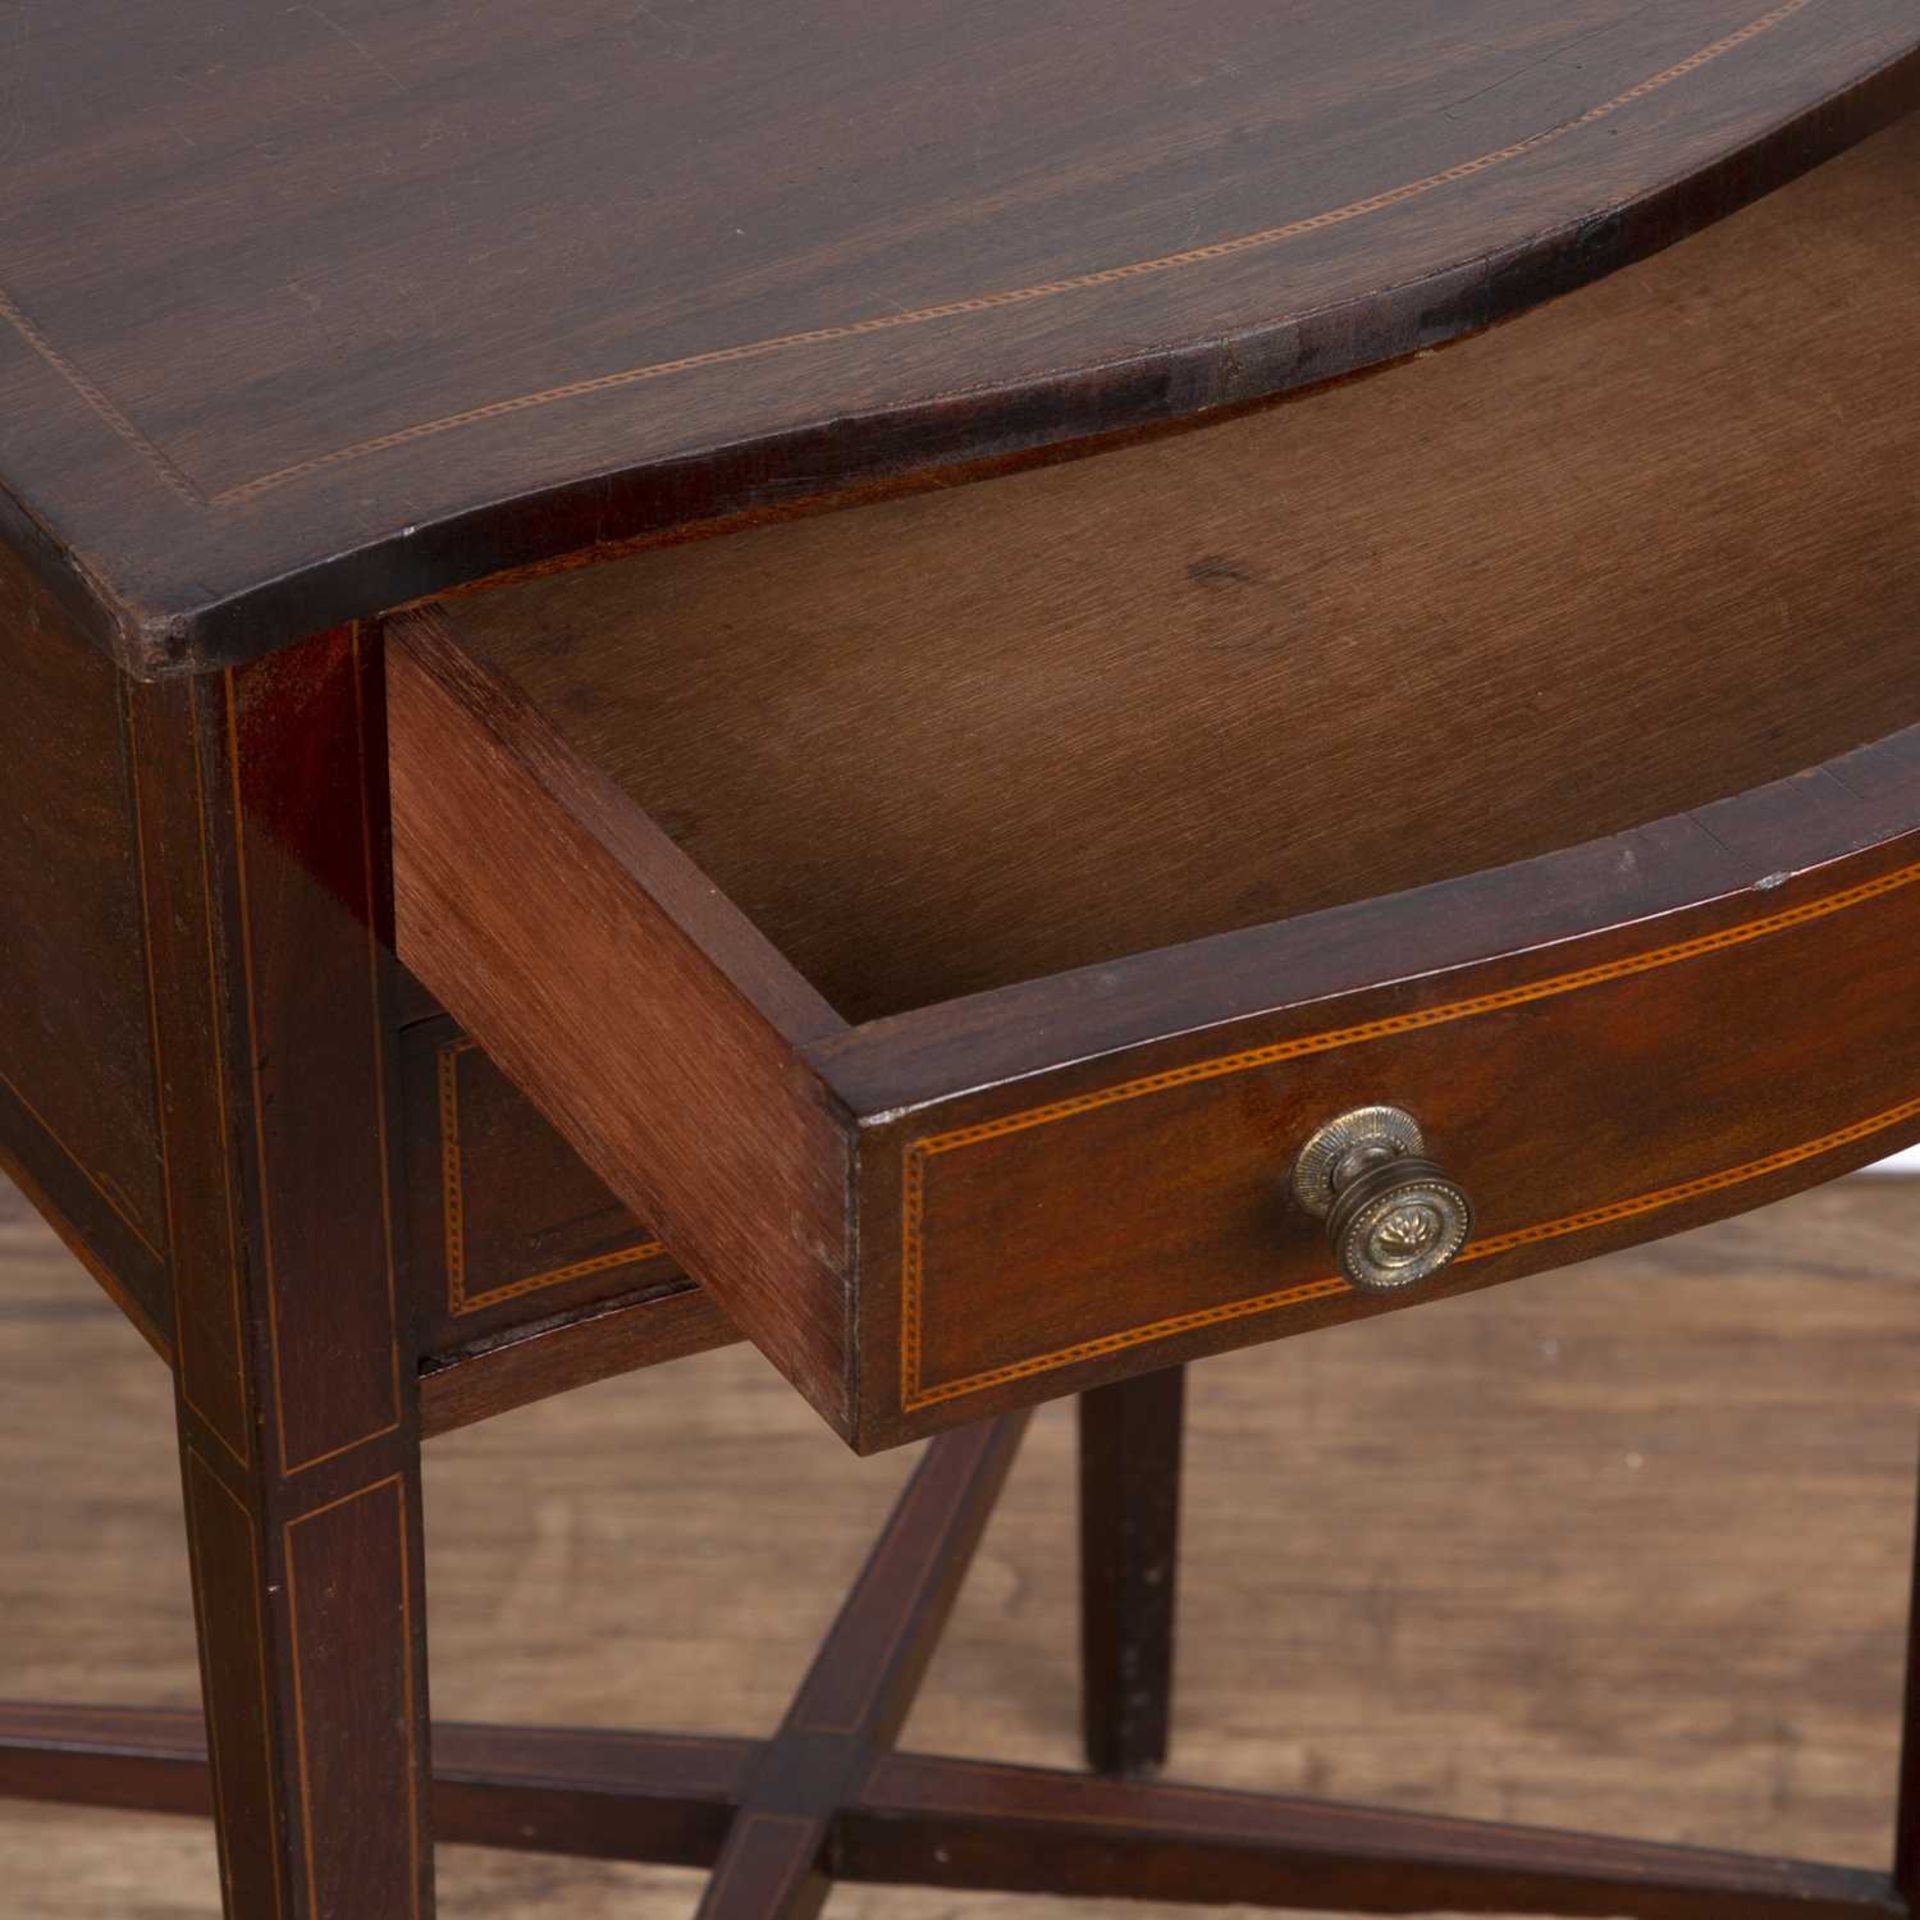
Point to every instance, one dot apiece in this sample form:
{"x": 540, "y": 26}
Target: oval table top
{"x": 311, "y": 309}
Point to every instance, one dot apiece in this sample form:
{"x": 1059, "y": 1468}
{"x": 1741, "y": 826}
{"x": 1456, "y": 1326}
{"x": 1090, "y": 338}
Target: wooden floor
{"x": 1623, "y": 1547}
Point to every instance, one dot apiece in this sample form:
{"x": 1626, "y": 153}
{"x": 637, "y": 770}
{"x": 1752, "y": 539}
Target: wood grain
{"x": 263, "y": 842}
{"x": 1643, "y": 549}
{"x": 376, "y": 299}
{"x": 1644, "y": 1094}
{"x": 527, "y": 1276}
{"x": 666, "y": 1322}
{"x": 506, "y": 1227}
{"x": 77, "y": 1104}
{"x": 645, "y": 1017}
{"x": 1539, "y": 1556}
{"x": 1065, "y": 1180}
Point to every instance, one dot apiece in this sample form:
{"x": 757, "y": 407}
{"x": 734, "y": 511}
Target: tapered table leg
{"x": 1130, "y": 1442}
{"x": 260, "y": 798}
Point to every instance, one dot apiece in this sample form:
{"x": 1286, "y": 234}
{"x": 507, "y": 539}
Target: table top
{"x": 312, "y": 309}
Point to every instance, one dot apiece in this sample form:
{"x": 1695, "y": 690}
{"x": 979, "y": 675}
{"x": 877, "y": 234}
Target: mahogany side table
{"x": 858, "y": 678}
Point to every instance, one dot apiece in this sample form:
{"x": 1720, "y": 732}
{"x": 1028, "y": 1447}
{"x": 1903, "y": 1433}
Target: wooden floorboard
{"x": 1620, "y": 1548}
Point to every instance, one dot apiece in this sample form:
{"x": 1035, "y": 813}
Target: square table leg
{"x": 260, "y": 796}
{"x": 1130, "y": 1444}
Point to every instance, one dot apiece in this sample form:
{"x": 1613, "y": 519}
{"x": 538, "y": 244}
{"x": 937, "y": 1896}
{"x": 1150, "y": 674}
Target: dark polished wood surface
{"x": 262, "y": 804}
{"x": 1131, "y": 1439}
{"x": 308, "y": 310}
{"x": 78, "y": 1119}
{"x": 504, "y": 1223}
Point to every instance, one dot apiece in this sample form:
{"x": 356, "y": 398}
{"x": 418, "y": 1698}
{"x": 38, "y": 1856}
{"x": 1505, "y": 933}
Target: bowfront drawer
{"x": 1594, "y": 1089}
{"x": 943, "y": 1212}
{"x": 950, "y": 922}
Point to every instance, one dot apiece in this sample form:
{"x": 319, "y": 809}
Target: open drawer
{"x": 946, "y": 921}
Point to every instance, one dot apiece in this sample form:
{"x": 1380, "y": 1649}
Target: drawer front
{"x": 508, "y": 1227}
{"x": 1612, "y": 1089}
{"x": 931, "y": 1215}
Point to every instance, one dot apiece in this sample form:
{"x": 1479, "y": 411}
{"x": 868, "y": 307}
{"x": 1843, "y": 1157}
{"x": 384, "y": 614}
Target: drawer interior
{"x": 1649, "y": 546}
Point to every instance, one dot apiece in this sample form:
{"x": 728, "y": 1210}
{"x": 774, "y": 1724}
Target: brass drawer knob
{"x": 1393, "y": 1217}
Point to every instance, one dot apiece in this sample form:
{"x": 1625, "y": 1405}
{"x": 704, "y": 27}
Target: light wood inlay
{"x": 921, "y": 1154}
{"x": 453, "y": 1203}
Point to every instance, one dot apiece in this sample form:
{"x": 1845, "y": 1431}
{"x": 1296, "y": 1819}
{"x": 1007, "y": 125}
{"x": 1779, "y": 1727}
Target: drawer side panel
{"x": 532, "y": 912}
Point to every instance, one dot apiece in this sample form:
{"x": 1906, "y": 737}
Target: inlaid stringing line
{"x": 180, "y": 483}
{"x": 453, "y": 1209}
{"x": 913, "y": 1195}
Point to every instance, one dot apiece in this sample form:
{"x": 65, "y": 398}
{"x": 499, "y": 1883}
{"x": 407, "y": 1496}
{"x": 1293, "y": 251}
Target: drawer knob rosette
{"x": 1393, "y": 1217}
